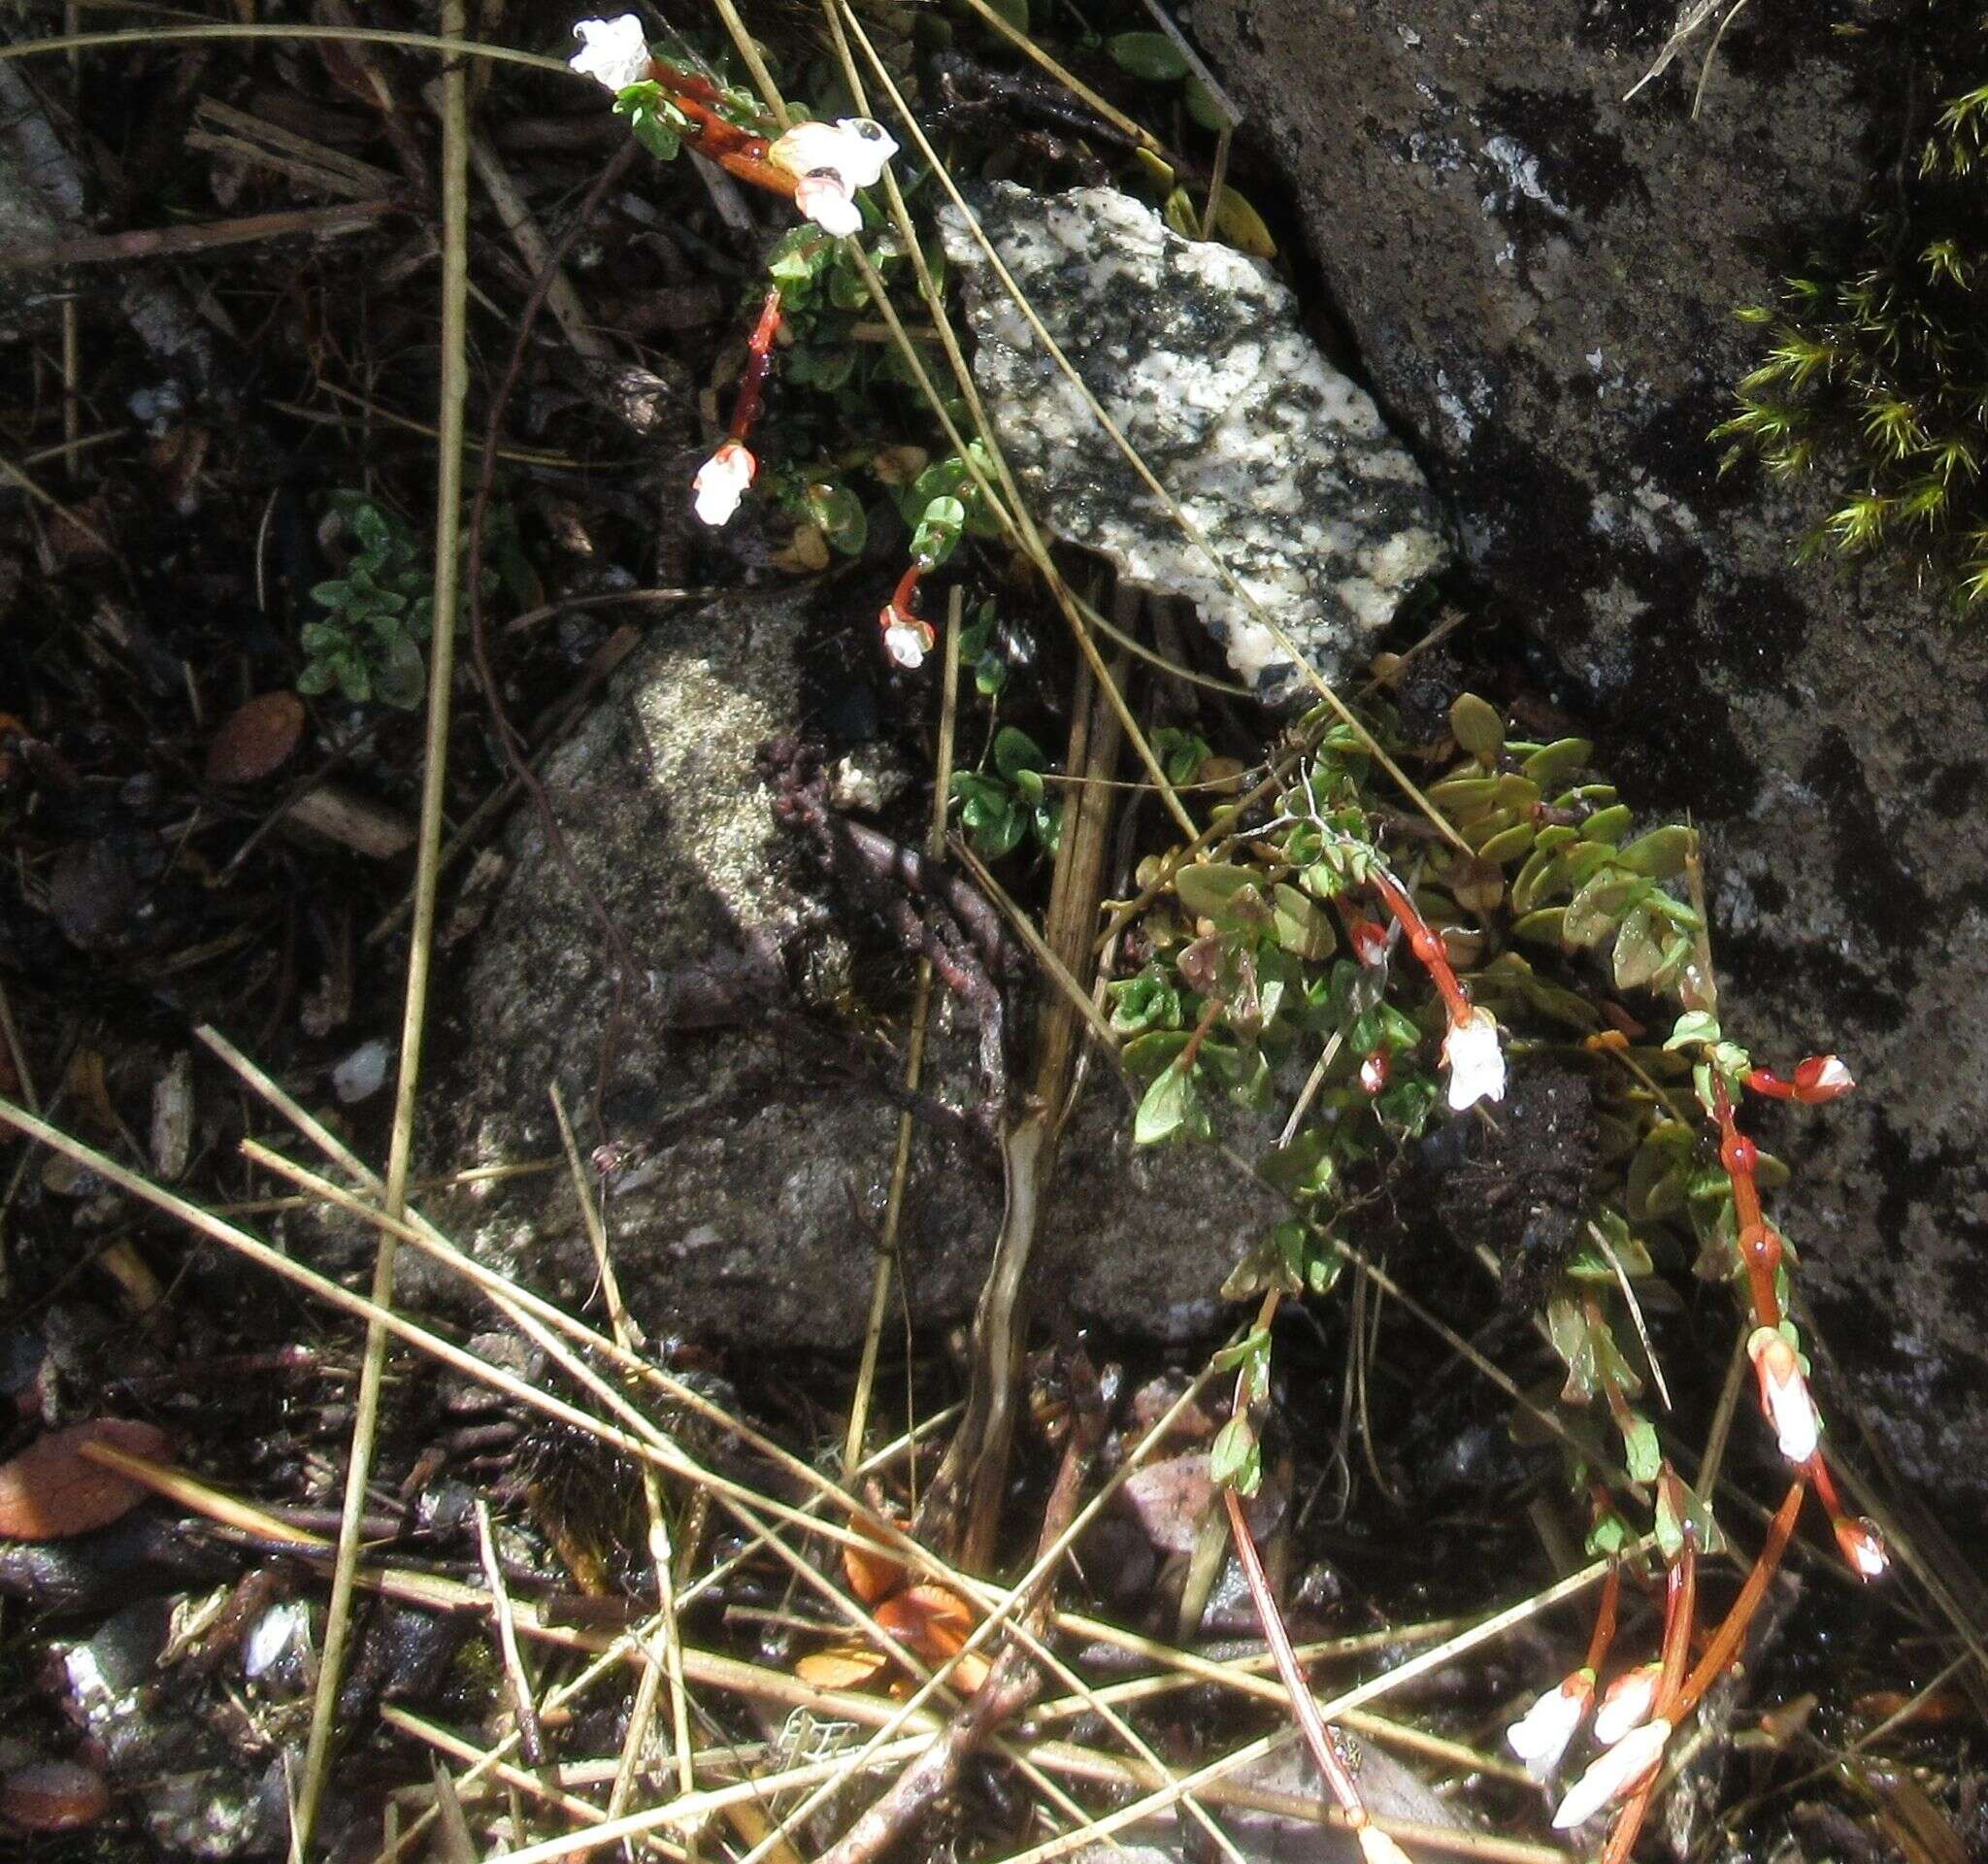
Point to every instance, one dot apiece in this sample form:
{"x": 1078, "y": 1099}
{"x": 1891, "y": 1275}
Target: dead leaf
{"x": 844, "y": 1666}
{"x": 54, "y": 1796}
{"x": 1172, "y": 1498}
{"x": 53, "y": 1491}
{"x": 872, "y": 1573}
{"x": 256, "y": 740}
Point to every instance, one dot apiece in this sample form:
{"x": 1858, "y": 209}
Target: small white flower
{"x": 1784, "y": 1394}
{"x": 826, "y": 200}
{"x": 1614, "y": 1776}
{"x": 1377, "y": 1847}
{"x": 722, "y": 483}
{"x": 1862, "y": 1546}
{"x": 855, "y": 150}
{"x": 1475, "y": 1060}
{"x": 1626, "y": 1703}
{"x": 1540, "y": 1735}
{"x": 613, "y": 50}
{"x": 906, "y": 642}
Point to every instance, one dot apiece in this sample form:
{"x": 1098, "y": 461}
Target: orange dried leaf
{"x": 53, "y": 1491}
{"x": 846, "y": 1666}
{"x": 256, "y": 740}
{"x": 931, "y": 1621}
{"x": 872, "y": 1573}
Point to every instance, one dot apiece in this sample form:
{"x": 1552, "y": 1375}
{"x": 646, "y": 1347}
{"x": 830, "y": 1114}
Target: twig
{"x": 441, "y": 686}
{"x": 531, "y": 1737}
{"x": 207, "y": 236}
{"x": 914, "y": 1059}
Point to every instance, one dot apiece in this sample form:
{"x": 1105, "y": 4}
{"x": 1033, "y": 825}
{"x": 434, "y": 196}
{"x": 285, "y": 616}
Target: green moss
{"x": 1876, "y": 368}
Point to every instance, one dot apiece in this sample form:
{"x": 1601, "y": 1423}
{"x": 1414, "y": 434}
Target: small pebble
{"x": 361, "y": 1074}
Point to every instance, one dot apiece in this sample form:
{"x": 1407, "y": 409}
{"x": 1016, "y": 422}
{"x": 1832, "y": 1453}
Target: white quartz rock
{"x": 1197, "y": 353}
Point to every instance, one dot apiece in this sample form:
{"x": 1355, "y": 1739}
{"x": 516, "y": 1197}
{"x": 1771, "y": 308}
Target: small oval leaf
{"x": 256, "y": 739}
{"x": 1475, "y": 726}
{"x": 53, "y": 1489}
{"x": 1150, "y": 55}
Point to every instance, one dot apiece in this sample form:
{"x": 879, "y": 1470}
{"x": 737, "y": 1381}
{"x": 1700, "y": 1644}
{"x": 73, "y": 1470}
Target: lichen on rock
{"x": 1282, "y": 463}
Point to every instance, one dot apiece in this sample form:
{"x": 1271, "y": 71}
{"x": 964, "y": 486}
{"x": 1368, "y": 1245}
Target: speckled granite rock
{"x": 1539, "y": 279}
{"x": 759, "y": 1134}
{"x": 1196, "y": 353}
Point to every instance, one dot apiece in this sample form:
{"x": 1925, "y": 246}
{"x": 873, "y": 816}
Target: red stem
{"x": 1726, "y": 1641}
{"x": 1605, "y": 1620}
{"x": 1425, "y": 944}
{"x": 1309, "y": 1722}
{"x": 758, "y": 366}
{"x": 1760, "y": 1248}
{"x": 736, "y": 150}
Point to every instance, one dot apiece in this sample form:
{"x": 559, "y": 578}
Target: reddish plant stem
{"x": 736, "y": 150}
{"x": 1727, "y": 1639}
{"x": 758, "y": 367}
{"x": 1424, "y": 941}
{"x": 1311, "y": 1723}
{"x": 1605, "y": 1620}
{"x": 1760, "y": 1248}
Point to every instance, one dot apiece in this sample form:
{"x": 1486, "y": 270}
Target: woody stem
{"x": 1311, "y": 1723}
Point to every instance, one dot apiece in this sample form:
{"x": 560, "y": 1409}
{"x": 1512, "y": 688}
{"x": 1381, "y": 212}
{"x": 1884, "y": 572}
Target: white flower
{"x": 1822, "y": 1078}
{"x": 1475, "y": 1060}
{"x": 722, "y": 483}
{"x": 855, "y": 150}
{"x": 1377, "y": 1847}
{"x": 1626, "y": 1703}
{"x": 1784, "y": 1394}
{"x": 1540, "y": 1735}
{"x": 907, "y": 642}
{"x": 1862, "y": 1546}
{"x": 1617, "y": 1774}
{"x": 826, "y": 200}
{"x": 612, "y": 51}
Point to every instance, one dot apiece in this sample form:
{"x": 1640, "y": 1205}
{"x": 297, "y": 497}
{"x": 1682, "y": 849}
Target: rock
{"x": 1197, "y": 353}
{"x": 751, "y": 1135}
{"x": 1540, "y": 278}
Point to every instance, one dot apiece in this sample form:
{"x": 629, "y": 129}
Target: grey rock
{"x": 1541, "y": 280}
{"x": 756, "y": 1133}
{"x": 1281, "y": 463}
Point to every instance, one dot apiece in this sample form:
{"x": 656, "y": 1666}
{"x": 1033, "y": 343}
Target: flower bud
{"x": 1784, "y": 1394}
{"x": 1626, "y": 1768}
{"x": 1540, "y": 1735}
{"x": 1627, "y": 1702}
{"x": 1475, "y": 1060}
{"x": 722, "y": 483}
{"x": 1862, "y": 1545}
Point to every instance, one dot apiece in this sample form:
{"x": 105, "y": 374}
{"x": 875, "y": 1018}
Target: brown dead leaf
{"x": 53, "y": 1491}
{"x": 1172, "y": 1498}
{"x": 872, "y": 1573}
{"x": 54, "y": 1796}
{"x": 256, "y": 740}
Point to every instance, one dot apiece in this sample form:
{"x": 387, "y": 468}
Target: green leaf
{"x": 1201, "y": 106}
{"x": 1150, "y": 55}
{"x": 1607, "y": 825}
{"x": 1475, "y": 726}
{"x": 1235, "y": 1460}
{"x": 1508, "y": 845}
{"x": 1566, "y": 1325}
{"x": 1661, "y": 853}
{"x": 938, "y": 531}
{"x": 1304, "y": 1168}
{"x": 839, "y": 514}
{"x": 1301, "y": 926}
{"x": 1693, "y": 1026}
{"x": 402, "y": 676}
{"x": 1552, "y": 765}
{"x": 1640, "y": 949}
{"x": 1600, "y": 907}
{"x": 1645, "y": 1456}
{"x": 1167, "y": 1108}
{"x": 1016, "y": 751}
{"x": 1209, "y": 889}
